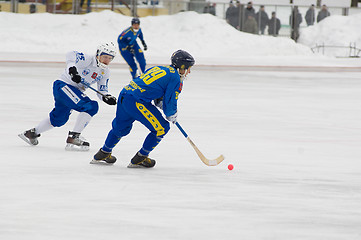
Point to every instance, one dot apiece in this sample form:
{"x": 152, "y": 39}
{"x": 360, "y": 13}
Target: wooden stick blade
{"x": 212, "y": 162}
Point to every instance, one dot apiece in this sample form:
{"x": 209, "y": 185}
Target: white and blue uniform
{"x": 69, "y": 95}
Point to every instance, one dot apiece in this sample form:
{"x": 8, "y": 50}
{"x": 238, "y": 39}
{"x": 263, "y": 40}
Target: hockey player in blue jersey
{"x": 130, "y": 49}
{"x": 81, "y": 70}
{"x": 160, "y": 84}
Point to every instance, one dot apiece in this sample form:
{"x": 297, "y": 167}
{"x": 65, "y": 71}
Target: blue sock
{"x": 111, "y": 141}
{"x": 150, "y": 142}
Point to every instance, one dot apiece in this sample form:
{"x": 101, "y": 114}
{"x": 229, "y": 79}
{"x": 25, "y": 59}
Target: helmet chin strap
{"x": 100, "y": 64}
{"x": 184, "y": 75}
{"x": 181, "y": 75}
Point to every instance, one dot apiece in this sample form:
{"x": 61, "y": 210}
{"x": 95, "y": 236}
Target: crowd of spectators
{"x": 244, "y": 18}
{"x": 247, "y": 20}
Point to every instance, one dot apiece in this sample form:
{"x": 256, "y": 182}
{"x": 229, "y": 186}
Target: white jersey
{"x": 88, "y": 70}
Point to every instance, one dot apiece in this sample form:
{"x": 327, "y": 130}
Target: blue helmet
{"x": 135, "y": 21}
{"x": 182, "y": 60}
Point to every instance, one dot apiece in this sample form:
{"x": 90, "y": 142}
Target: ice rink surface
{"x": 293, "y": 137}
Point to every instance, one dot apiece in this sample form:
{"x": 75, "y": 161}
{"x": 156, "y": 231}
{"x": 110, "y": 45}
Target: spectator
{"x": 310, "y": 15}
{"x": 210, "y": 8}
{"x": 249, "y": 11}
{"x": 324, "y": 13}
{"x": 88, "y": 8}
{"x": 250, "y": 25}
{"x": 274, "y": 25}
{"x": 232, "y": 15}
{"x": 295, "y": 21}
{"x": 262, "y": 19}
{"x": 240, "y": 14}
{"x": 152, "y": 2}
{"x": 32, "y": 8}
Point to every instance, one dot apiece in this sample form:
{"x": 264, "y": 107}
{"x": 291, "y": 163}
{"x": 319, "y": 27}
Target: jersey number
{"x": 152, "y": 75}
{"x": 79, "y": 57}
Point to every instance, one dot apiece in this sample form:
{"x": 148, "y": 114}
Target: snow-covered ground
{"x": 288, "y": 120}
{"x": 205, "y": 36}
{"x": 334, "y": 31}
{"x": 210, "y": 39}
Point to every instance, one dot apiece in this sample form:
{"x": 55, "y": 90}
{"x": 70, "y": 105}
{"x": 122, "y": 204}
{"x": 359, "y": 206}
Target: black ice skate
{"x": 30, "y": 137}
{"x": 141, "y": 161}
{"x": 102, "y": 157}
{"x": 75, "y": 143}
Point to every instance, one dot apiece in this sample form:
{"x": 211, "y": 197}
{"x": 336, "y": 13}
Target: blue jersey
{"x": 129, "y": 38}
{"x": 157, "y": 82}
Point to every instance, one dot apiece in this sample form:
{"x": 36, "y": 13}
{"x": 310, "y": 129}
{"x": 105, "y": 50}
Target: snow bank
{"x": 204, "y": 35}
{"x": 334, "y": 31}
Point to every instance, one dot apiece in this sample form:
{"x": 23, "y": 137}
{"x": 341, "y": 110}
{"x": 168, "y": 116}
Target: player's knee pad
{"x": 125, "y": 131}
{"x": 91, "y": 108}
{"x": 161, "y": 132}
{"x": 119, "y": 130}
{"x": 58, "y": 120}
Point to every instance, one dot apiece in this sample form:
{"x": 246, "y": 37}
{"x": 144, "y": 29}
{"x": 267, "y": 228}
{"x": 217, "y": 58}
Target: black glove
{"x": 74, "y": 74}
{"x": 159, "y": 102}
{"x": 144, "y": 45}
{"x": 130, "y": 49}
{"x": 109, "y": 99}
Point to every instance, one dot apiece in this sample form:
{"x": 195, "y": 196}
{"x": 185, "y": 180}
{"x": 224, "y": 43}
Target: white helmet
{"x": 108, "y": 49}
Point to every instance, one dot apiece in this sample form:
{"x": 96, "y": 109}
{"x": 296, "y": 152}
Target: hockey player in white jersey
{"x": 81, "y": 71}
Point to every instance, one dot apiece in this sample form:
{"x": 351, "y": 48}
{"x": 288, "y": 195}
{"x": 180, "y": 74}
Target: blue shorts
{"x": 68, "y": 98}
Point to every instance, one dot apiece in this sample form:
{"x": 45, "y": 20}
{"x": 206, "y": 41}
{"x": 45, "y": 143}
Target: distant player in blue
{"x": 161, "y": 84}
{"x": 130, "y": 49}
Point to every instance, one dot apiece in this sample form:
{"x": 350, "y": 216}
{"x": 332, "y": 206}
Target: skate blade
{"x": 100, "y": 162}
{"x": 131, "y": 165}
{"x": 27, "y": 140}
{"x": 76, "y": 148}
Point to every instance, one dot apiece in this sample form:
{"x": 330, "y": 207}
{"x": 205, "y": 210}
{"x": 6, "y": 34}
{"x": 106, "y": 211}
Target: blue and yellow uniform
{"x": 161, "y": 84}
{"x": 130, "y": 49}
{"x": 134, "y": 103}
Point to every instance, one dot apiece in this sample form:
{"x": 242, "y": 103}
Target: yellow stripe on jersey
{"x": 151, "y": 118}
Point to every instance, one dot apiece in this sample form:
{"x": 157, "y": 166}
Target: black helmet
{"x": 182, "y": 60}
{"x": 135, "y": 21}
